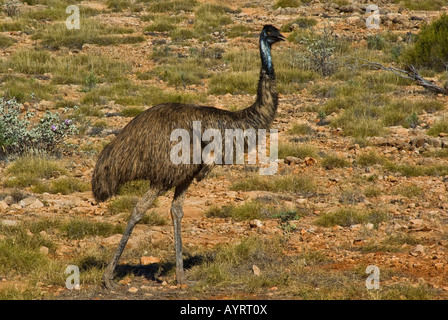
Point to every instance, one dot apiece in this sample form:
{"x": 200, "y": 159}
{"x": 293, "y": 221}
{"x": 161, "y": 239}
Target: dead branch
{"x": 410, "y": 73}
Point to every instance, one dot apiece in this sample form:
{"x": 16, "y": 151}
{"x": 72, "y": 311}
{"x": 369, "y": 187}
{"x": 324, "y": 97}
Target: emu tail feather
{"x": 106, "y": 179}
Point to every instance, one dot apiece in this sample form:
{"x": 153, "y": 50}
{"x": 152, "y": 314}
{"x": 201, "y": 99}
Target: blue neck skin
{"x": 266, "y": 60}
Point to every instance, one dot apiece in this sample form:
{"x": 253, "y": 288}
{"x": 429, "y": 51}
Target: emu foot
{"x": 108, "y": 282}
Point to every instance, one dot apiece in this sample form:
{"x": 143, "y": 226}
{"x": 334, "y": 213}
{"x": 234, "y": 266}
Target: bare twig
{"x": 411, "y": 74}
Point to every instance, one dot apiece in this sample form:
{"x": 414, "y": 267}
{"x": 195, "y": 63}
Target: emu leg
{"x": 177, "y": 213}
{"x": 137, "y": 214}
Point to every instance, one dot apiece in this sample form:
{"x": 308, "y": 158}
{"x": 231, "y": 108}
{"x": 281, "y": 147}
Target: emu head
{"x": 271, "y": 34}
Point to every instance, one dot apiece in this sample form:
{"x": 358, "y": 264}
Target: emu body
{"x": 142, "y": 150}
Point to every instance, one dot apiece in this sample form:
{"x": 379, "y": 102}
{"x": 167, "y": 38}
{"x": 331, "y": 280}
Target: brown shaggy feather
{"x": 142, "y": 148}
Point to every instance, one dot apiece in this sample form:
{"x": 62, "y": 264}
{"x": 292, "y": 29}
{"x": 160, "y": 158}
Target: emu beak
{"x": 281, "y": 37}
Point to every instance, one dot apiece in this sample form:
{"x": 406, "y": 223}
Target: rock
{"x": 256, "y": 270}
{"x": 369, "y": 226}
{"x": 3, "y": 205}
{"x": 417, "y": 222}
{"x": 112, "y": 240}
{"x": 255, "y": 223}
{"x": 44, "y": 250}
{"x": 419, "y": 249}
{"x": 133, "y": 290}
{"x": 16, "y": 206}
{"x": 439, "y": 266}
{"x": 293, "y": 160}
{"x": 149, "y": 260}
{"x": 9, "y": 200}
{"x": 309, "y": 161}
{"x": 355, "y": 227}
{"x": 31, "y": 203}
{"x": 9, "y": 223}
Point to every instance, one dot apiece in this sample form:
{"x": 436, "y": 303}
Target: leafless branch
{"x": 410, "y": 73}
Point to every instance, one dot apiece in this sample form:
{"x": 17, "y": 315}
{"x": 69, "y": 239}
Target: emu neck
{"x": 266, "y": 59}
{"x": 261, "y": 114}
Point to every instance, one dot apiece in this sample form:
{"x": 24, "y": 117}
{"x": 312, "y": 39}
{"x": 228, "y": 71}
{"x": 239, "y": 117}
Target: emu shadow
{"x": 155, "y": 270}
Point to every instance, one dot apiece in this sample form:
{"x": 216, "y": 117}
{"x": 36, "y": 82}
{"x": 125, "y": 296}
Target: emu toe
{"x": 108, "y": 282}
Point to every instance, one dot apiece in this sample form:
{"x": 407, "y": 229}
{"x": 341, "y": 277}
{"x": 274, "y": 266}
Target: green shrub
{"x": 181, "y": 72}
{"x": 28, "y": 170}
{"x": 250, "y": 210}
{"x": 80, "y": 228}
{"x": 290, "y": 183}
{"x": 91, "y": 32}
{"x": 301, "y": 129}
{"x": 63, "y": 185}
{"x": 160, "y": 26}
{"x": 431, "y": 47}
{"x": 333, "y": 161}
{"x": 370, "y": 158}
{"x": 211, "y": 18}
{"x": 287, "y": 4}
{"x": 21, "y": 132}
{"x": 6, "y": 42}
{"x": 427, "y": 5}
{"x": 300, "y": 22}
{"x": 376, "y": 42}
{"x": 172, "y": 6}
{"x": 131, "y": 112}
{"x": 296, "y": 150}
{"x": 239, "y": 30}
{"x": 234, "y": 83}
{"x": 440, "y": 126}
{"x": 347, "y": 217}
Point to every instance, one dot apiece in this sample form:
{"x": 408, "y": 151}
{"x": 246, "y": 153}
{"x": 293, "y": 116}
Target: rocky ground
{"x": 422, "y": 218}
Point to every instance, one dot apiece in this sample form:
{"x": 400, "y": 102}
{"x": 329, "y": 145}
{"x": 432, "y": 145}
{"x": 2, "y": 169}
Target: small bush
{"x": 63, "y": 185}
{"x": 152, "y": 218}
{"x": 287, "y": 4}
{"x": 251, "y": 210}
{"x": 6, "y": 42}
{"x": 117, "y": 5}
{"x": 439, "y": 127}
{"x": 28, "y": 170}
{"x": 211, "y": 18}
{"x": 172, "y": 6}
{"x": 134, "y": 188}
{"x": 21, "y": 132}
{"x": 131, "y": 112}
{"x": 319, "y": 50}
{"x": 370, "y": 158}
{"x": 80, "y": 228}
{"x": 376, "y": 42}
{"x": 160, "y": 26}
{"x": 431, "y": 48}
{"x": 300, "y": 22}
{"x": 294, "y": 184}
{"x": 182, "y": 72}
{"x": 123, "y": 203}
{"x": 19, "y": 254}
{"x": 427, "y": 5}
{"x": 334, "y": 161}
{"x": 24, "y": 89}
{"x": 234, "y": 83}
{"x": 92, "y": 32}
{"x": 296, "y": 150}
{"x": 300, "y": 129}
{"x": 409, "y": 191}
{"x": 417, "y": 170}
{"x": 371, "y": 192}
{"x": 347, "y": 217}
{"x": 239, "y": 30}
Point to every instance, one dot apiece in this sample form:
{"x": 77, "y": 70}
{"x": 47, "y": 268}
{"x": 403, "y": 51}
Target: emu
{"x": 141, "y": 151}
